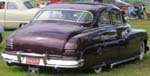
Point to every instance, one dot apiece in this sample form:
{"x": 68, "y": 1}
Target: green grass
{"x": 133, "y": 68}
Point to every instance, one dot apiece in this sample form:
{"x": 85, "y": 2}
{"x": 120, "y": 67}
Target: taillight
{"x": 9, "y": 44}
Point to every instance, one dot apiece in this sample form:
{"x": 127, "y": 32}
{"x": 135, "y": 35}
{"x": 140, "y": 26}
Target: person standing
{"x": 143, "y": 9}
{"x": 131, "y": 11}
{"x": 137, "y": 12}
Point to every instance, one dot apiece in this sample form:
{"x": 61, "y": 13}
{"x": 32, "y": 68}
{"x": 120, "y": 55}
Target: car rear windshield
{"x": 29, "y": 4}
{"x": 65, "y": 15}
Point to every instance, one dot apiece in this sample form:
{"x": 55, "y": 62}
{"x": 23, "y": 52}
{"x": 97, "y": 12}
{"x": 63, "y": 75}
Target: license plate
{"x": 32, "y": 60}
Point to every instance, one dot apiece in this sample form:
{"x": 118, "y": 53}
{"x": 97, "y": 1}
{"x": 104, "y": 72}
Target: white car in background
{"x": 16, "y": 13}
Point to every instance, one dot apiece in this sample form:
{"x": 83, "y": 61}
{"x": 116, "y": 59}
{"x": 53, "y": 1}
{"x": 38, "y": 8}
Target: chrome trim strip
{"x": 119, "y": 62}
{"x": 31, "y": 54}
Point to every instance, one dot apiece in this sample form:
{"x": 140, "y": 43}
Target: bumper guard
{"x": 20, "y": 58}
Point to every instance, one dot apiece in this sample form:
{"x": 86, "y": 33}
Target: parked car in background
{"x": 74, "y": 35}
{"x": 16, "y": 13}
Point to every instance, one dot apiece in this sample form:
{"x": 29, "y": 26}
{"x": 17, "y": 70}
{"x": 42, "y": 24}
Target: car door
{"x": 123, "y": 30}
{"x": 103, "y": 45}
{"x": 2, "y": 13}
{"x": 12, "y": 15}
{"x": 108, "y": 48}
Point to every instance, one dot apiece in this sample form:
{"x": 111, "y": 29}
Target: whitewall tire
{"x": 98, "y": 69}
{"x": 142, "y": 51}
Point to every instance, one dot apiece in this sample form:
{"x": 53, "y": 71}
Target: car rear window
{"x": 65, "y": 15}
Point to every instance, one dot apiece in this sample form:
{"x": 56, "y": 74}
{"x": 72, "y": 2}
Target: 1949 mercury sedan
{"x": 74, "y": 35}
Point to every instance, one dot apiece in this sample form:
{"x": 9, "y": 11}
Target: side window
{"x": 116, "y": 17}
{"x": 104, "y": 18}
{"x": 86, "y": 17}
{"x": 11, "y": 5}
{"x": 2, "y": 5}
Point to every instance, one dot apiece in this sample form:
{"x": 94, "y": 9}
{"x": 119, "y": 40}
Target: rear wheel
{"x": 142, "y": 51}
{"x": 98, "y": 69}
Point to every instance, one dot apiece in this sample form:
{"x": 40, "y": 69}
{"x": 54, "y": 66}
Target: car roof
{"x": 78, "y": 6}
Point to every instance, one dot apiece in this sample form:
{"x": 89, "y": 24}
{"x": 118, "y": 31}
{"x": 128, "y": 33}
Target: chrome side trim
{"x": 116, "y": 63}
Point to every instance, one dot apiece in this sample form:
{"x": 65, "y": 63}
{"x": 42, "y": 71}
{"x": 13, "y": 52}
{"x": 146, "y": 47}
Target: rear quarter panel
{"x": 137, "y": 36}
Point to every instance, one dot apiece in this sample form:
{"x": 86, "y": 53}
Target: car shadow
{"x": 66, "y": 72}
{"x": 46, "y": 71}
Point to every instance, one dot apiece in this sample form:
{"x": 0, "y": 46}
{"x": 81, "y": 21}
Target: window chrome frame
{"x": 78, "y": 20}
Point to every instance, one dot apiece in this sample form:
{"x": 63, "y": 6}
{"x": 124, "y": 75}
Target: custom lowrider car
{"x": 16, "y": 13}
{"x": 74, "y": 35}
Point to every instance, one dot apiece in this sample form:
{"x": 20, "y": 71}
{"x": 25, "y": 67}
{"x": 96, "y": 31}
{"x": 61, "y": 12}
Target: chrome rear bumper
{"x": 20, "y": 58}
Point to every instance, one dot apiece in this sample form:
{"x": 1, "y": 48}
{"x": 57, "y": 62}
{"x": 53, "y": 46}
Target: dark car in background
{"x": 75, "y": 35}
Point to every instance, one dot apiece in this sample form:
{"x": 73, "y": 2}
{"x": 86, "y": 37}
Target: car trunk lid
{"x": 44, "y": 37}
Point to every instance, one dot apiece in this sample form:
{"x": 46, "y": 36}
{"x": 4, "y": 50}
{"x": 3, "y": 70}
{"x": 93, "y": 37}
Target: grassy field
{"x": 133, "y": 68}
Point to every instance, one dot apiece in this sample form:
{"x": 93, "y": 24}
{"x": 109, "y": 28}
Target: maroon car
{"x": 74, "y": 35}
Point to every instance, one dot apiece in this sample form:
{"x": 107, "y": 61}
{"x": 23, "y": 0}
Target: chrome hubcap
{"x": 142, "y": 51}
{"x": 98, "y": 69}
